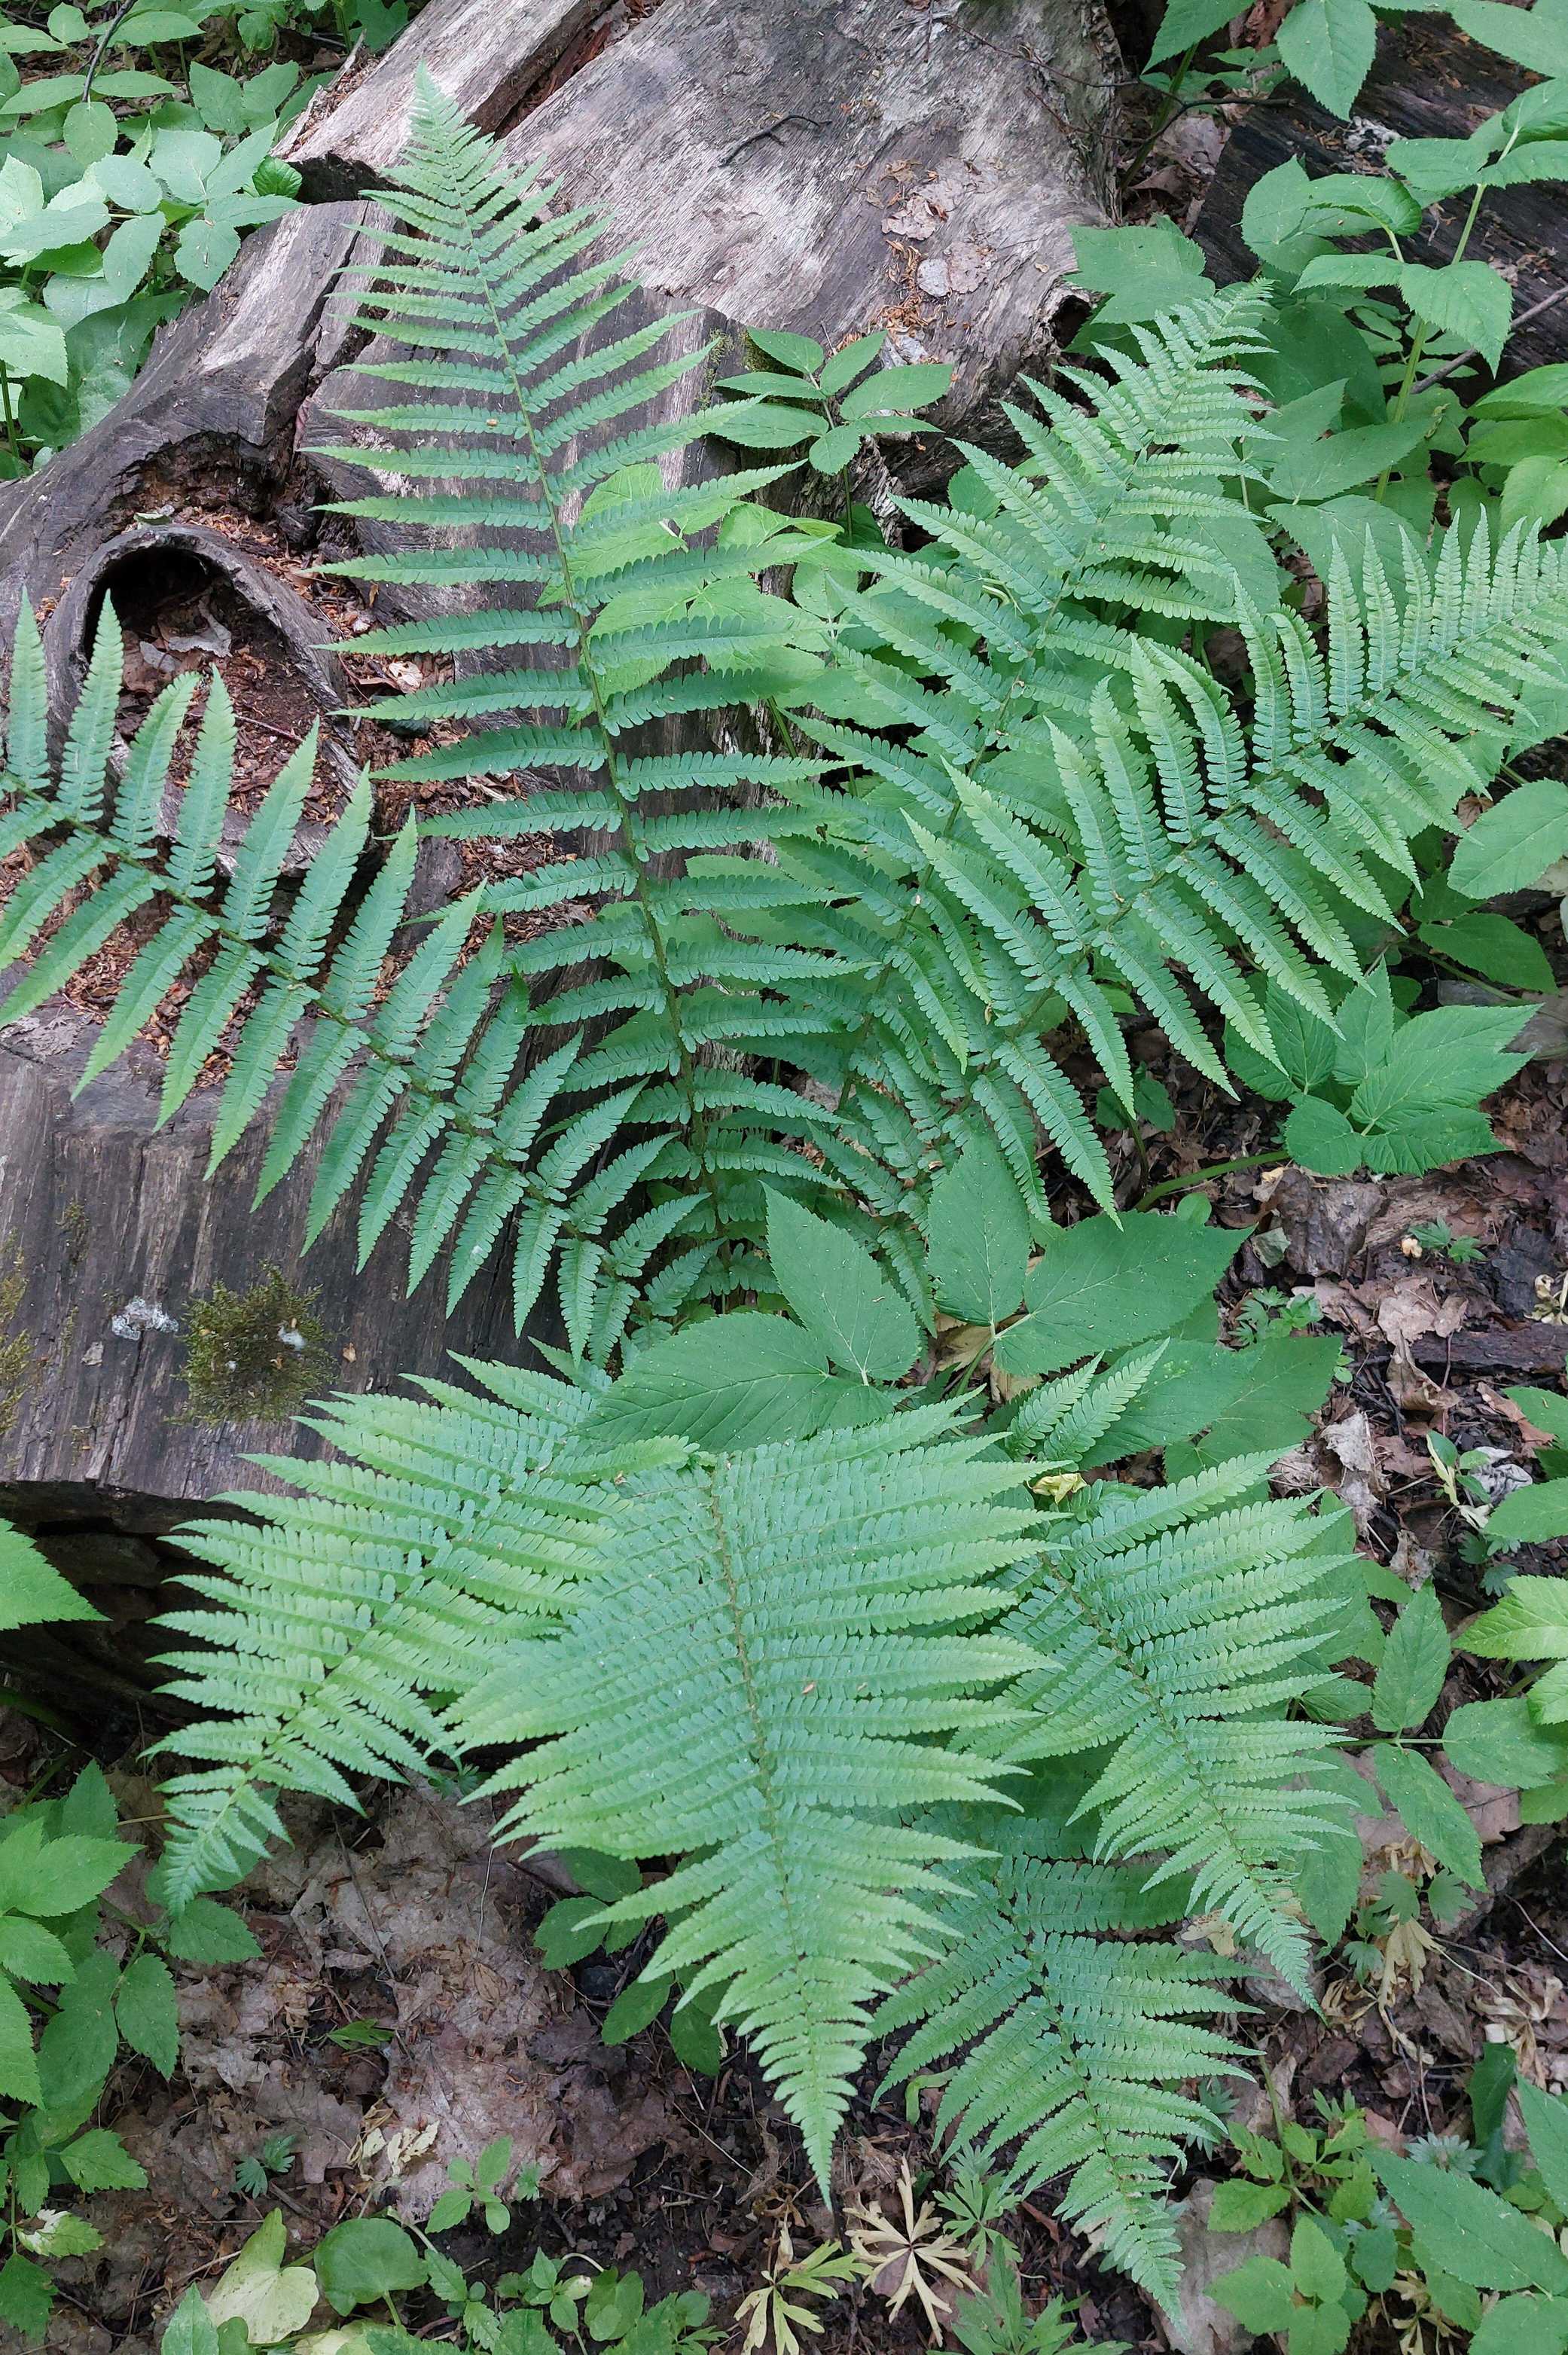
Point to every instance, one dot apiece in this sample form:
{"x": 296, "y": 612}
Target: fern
{"x": 773, "y": 1642}
{"x": 1067, "y": 2034}
{"x": 1153, "y": 848}
{"x": 1173, "y": 1629}
{"x": 448, "y": 1522}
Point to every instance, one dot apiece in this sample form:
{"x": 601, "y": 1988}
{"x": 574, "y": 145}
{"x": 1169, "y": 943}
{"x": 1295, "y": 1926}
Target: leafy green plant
{"x": 367, "y": 2266}
{"x": 1426, "y": 2234}
{"x": 119, "y": 200}
{"x": 1384, "y": 1090}
{"x": 992, "y": 2320}
{"x": 479, "y": 2184}
{"x": 796, "y": 1575}
{"x": 274, "y": 2157}
{"x": 832, "y": 404}
{"x": 70, "y": 2001}
{"x": 1436, "y": 1235}
{"x": 787, "y": 2299}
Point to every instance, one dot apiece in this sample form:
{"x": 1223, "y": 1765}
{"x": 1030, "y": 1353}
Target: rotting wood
{"x": 489, "y": 58}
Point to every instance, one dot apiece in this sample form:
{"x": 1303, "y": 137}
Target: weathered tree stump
{"x": 827, "y": 165}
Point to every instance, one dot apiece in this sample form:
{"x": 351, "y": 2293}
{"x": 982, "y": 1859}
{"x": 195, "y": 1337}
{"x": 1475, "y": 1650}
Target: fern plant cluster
{"x": 813, "y": 1633}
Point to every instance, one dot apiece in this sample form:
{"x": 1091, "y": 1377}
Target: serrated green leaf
{"x": 1104, "y": 1285}
{"x": 846, "y": 1301}
{"x": 147, "y": 2012}
{"x": 1414, "y": 1663}
{"x": 1430, "y": 1812}
{"x": 1514, "y": 842}
{"x": 978, "y": 1237}
{"x": 1462, "y": 2229}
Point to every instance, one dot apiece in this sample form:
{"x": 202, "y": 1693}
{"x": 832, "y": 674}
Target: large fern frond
{"x": 1153, "y": 848}
{"x": 1173, "y": 1630}
{"x": 757, "y": 1681}
{"x": 443, "y": 1524}
{"x": 1069, "y": 2036}
{"x": 643, "y": 613}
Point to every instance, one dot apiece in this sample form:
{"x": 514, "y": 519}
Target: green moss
{"x": 255, "y": 1356}
{"x": 15, "y": 1349}
{"x": 73, "y": 1226}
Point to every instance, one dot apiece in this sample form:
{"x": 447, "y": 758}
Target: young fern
{"x": 773, "y": 1642}
{"x": 1153, "y": 848}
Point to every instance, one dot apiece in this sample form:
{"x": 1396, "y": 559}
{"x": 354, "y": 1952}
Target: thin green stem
{"x": 1201, "y": 1176}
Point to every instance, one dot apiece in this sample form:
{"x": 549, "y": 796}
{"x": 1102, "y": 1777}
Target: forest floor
{"x": 399, "y": 1995}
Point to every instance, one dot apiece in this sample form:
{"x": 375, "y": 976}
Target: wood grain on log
{"x": 119, "y": 1242}
{"x": 490, "y": 59}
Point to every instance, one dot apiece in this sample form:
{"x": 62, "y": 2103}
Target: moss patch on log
{"x": 255, "y": 1356}
{"x": 16, "y": 1348}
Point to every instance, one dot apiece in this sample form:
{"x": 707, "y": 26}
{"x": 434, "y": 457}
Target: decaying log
{"x": 828, "y": 167}
{"x": 492, "y": 60}
{"x": 824, "y": 166}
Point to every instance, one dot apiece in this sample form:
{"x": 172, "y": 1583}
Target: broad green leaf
{"x": 1536, "y": 38}
{"x": 203, "y": 249}
{"x": 1546, "y": 2122}
{"x": 190, "y": 2329}
{"x": 26, "y": 2295}
{"x": 1239, "y": 2205}
{"x": 635, "y": 2008}
{"x": 30, "y": 1952}
{"x": 1186, "y": 22}
{"x": 57, "y": 1876}
{"x": 1531, "y": 1515}
{"x": 798, "y": 352}
{"x": 1547, "y": 1409}
{"x": 366, "y": 2259}
{"x": 1463, "y": 298}
{"x": 897, "y": 389}
{"x": 148, "y": 2013}
{"x": 1500, "y": 1742}
{"x": 206, "y": 1932}
{"x": 99, "y": 2161}
{"x": 1102, "y": 1285}
{"x": 1328, "y": 45}
{"x": 18, "y": 2062}
{"x": 77, "y": 2049}
{"x": 844, "y": 365}
{"x": 1523, "y": 2326}
{"x": 1464, "y": 2230}
{"x": 1414, "y": 1663}
{"x": 1322, "y": 1139}
{"x": 272, "y": 2299}
{"x": 844, "y": 1298}
{"x": 1341, "y": 461}
{"x": 1316, "y": 2267}
{"x": 1493, "y": 947}
{"x": 1431, "y": 1814}
{"x": 1514, "y": 842}
{"x": 1260, "y": 2295}
{"x": 571, "y": 1929}
{"x": 979, "y": 1237}
{"x": 735, "y": 1381}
